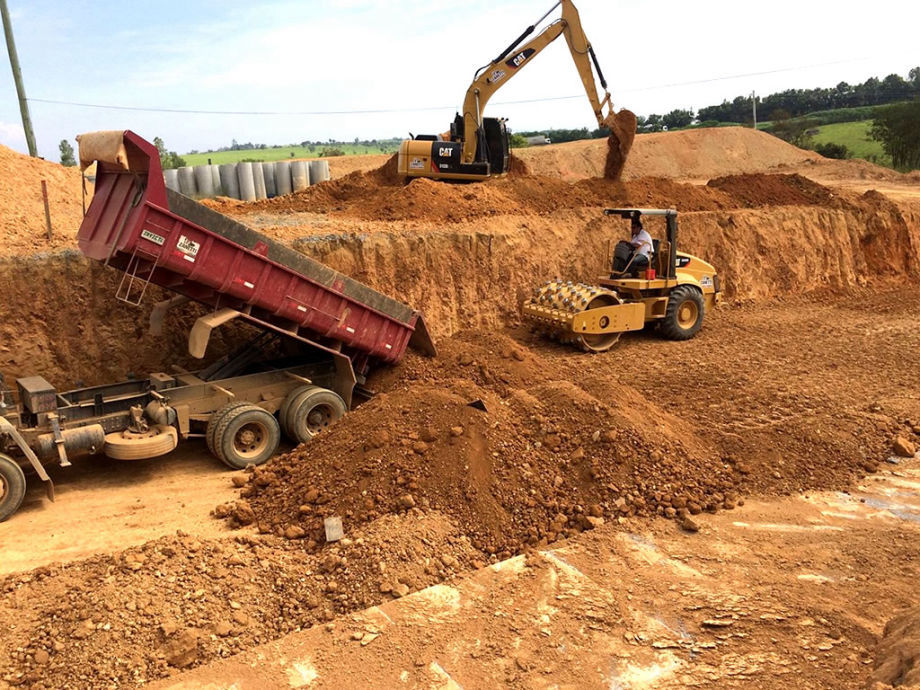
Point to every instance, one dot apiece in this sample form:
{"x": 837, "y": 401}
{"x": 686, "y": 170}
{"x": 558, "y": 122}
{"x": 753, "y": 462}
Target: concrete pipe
{"x": 204, "y": 181}
{"x": 268, "y": 171}
{"x": 171, "y": 177}
{"x": 215, "y": 180}
{"x": 319, "y": 171}
{"x": 300, "y": 175}
{"x": 187, "y": 181}
{"x": 283, "y": 178}
{"x": 258, "y": 178}
{"x": 229, "y": 182}
{"x": 247, "y": 182}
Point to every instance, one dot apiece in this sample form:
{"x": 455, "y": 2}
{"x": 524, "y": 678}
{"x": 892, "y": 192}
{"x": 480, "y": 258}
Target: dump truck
{"x": 319, "y": 334}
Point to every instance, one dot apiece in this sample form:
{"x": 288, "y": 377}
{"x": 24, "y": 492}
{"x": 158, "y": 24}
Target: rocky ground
{"x": 804, "y": 380}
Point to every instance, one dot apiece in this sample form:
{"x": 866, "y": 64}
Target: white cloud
{"x": 12, "y": 136}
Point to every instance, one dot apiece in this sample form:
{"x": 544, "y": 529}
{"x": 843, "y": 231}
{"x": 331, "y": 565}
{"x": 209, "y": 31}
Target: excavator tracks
{"x": 553, "y": 306}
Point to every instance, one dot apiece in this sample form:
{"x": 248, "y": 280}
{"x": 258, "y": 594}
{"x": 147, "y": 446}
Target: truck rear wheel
{"x": 247, "y": 435}
{"x": 130, "y": 445}
{"x": 286, "y": 405}
{"x": 311, "y": 412}
{"x": 684, "y": 315}
{"x": 215, "y": 421}
{"x": 12, "y": 486}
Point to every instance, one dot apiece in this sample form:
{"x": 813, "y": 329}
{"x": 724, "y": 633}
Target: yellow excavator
{"x": 477, "y": 147}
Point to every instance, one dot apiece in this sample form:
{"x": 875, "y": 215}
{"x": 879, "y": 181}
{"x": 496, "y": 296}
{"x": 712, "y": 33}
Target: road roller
{"x": 673, "y": 295}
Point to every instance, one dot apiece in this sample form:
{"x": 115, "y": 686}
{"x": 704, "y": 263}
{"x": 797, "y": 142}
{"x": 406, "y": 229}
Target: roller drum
{"x": 552, "y": 306}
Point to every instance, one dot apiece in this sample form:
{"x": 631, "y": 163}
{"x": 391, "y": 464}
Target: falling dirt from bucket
{"x": 620, "y": 141}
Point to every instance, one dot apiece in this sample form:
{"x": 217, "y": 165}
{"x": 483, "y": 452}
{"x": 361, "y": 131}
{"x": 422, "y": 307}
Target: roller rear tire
{"x": 684, "y": 316}
{"x": 12, "y": 486}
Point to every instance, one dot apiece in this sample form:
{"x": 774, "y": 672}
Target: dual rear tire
{"x": 242, "y": 434}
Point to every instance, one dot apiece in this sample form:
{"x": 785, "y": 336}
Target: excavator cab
{"x": 432, "y": 156}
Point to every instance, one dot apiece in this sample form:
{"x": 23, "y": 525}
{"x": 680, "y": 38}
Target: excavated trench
{"x": 64, "y": 322}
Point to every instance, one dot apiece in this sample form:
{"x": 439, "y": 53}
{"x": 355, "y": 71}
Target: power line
{"x": 185, "y": 111}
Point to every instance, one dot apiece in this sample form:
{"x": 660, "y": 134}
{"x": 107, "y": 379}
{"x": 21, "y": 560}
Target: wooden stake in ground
{"x": 47, "y": 210}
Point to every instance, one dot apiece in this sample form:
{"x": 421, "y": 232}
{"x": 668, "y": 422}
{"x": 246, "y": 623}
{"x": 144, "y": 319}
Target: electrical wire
{"x": 185, "y": 111}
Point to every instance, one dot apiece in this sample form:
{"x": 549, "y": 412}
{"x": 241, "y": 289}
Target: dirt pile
{"x": 177, "y": 602}
{"x": 757, "y": 190}
{"x": 698, "y": 154}
{"x": 543, "y": 460}
{"x": 22, "y": 210}
{"x": 381, "y": 195}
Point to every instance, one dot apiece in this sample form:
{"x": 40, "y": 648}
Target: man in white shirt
{"x": 633, "y": 256}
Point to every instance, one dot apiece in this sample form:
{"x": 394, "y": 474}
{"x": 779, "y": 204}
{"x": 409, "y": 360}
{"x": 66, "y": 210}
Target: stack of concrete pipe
{"x": 247, "y": 181}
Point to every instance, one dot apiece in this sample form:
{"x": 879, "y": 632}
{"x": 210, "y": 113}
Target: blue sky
{"x": 416, "y": 57}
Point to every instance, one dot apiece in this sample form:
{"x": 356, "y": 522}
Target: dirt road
{"x": 104, "y": 505}
{"x": 777, "y": 594}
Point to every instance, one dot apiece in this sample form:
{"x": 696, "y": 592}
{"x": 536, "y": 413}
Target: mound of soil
{"x": 897, "y": 659}
{"x": 177, "y": 602}
{"x": 544, "y": 458}
{"x": 22, "y": 210}
{"x": 698, "y": 154}
{"x": 775, "y": 190}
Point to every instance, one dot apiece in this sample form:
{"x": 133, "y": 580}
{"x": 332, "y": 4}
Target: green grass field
{"x": 855, "y": 136}
{"x": 277, "y": 153}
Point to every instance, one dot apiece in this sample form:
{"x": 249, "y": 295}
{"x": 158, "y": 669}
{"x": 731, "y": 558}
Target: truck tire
{"x": 311, "y": 412}
{"x": 129, "y": 445}
{"x": 246, "y": 436}
{"x": 684, "y": 316}
{"x": 286, "y": 404}
{"x": 12, "y": 486}
{"x": 215, "y": 421}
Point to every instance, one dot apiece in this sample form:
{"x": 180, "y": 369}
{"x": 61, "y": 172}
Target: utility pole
{"x": 17, "y": 77}
{"x": 753, "y": 101}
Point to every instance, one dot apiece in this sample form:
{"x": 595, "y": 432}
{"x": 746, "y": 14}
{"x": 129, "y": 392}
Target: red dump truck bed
{"x": 158, "y": 236}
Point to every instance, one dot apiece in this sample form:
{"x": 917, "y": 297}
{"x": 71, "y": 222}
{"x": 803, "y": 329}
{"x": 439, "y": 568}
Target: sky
{"x": 325, "y": 65}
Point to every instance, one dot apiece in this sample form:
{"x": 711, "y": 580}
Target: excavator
{"x": 477, "y": 147}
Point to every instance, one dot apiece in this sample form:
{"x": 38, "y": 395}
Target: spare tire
{"x": 130, "y": 445}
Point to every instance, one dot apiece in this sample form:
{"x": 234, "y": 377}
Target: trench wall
{"x": 61, "y": 319}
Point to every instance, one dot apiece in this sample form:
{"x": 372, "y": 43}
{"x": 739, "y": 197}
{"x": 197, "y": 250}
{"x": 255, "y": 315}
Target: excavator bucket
{"x": 622, "y": 133}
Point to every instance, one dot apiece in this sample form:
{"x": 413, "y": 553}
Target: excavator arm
{"x": 502, "y": 69}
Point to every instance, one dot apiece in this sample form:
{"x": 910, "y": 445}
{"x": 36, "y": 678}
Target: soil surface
{"x": 775, "y": 594}
{"x": 803, "y": 380}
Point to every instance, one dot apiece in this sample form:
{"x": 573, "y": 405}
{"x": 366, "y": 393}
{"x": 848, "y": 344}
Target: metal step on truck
{"x": 319, "y": 335}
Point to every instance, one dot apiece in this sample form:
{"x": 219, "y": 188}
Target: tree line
{"x": 797, "y": 102}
